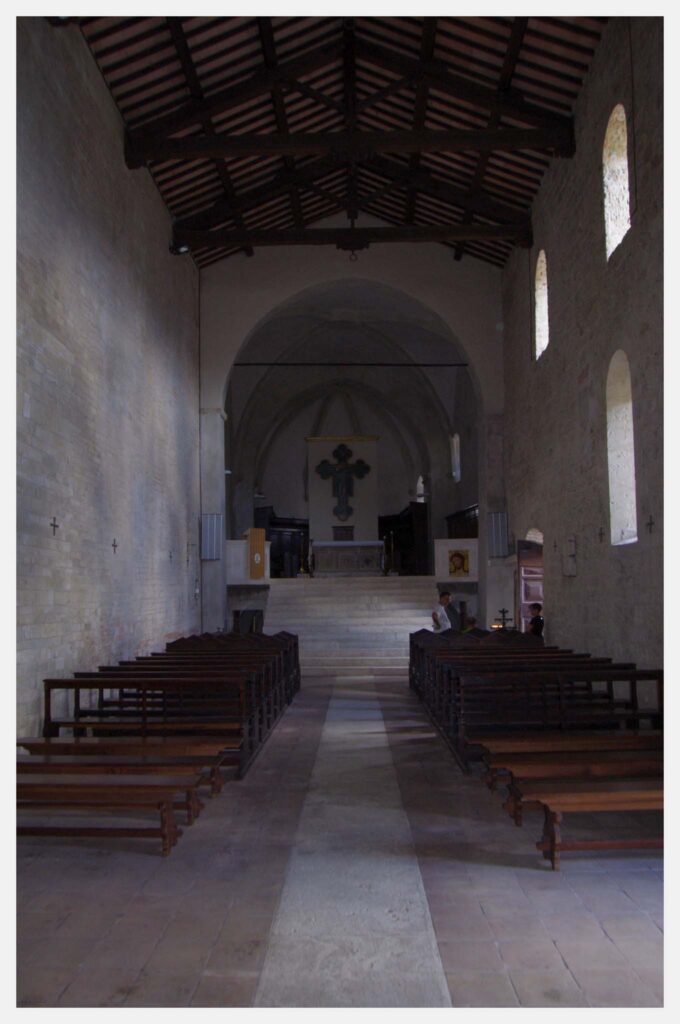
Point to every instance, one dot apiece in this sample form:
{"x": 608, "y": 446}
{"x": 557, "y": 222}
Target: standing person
{"x": 440, "y": 619}
{"x": 536, "y": 622}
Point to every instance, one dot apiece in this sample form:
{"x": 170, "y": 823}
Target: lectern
{"x": 256, "y": 541}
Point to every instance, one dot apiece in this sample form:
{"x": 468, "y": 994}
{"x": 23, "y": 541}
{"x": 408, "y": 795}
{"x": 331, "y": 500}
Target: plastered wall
{"x": 555, "y": 454}
{"x": 107, "y": 384}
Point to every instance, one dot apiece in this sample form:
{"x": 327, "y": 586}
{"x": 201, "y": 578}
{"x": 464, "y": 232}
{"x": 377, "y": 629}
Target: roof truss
{"x": 255, "y": 129}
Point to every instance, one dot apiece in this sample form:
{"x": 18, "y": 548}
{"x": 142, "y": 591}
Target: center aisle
{"x": 353, "y": 926}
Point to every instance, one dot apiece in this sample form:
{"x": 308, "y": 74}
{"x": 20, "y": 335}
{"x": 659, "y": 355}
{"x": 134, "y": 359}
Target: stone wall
{"x": 555, "y": 450}
{"x": 107, "y": 384}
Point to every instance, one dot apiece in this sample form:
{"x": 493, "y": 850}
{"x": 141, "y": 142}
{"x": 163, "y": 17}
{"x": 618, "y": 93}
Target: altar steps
{"x": 353, "y": 628}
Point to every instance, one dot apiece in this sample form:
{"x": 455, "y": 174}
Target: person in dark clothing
{"x": 536, "y": 622}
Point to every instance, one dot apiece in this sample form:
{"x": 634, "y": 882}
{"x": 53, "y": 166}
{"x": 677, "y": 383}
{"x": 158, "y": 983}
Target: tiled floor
{"x": 355, "y": 865}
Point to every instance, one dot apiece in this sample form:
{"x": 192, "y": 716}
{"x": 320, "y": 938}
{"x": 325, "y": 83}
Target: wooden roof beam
{"x": 184, "y": 54}
{"x": 258, "y": 84}
{"x": 269, "y": 53}
{"x": 517, "y": 33}
{"x": 437, "y": 75}
{"x": 351, "y": 145}
{"x": 253, "y": 197}
{"x": 479, "y": 202}
{"x": 426, "y": 53}
{"x": 352, "y": 239}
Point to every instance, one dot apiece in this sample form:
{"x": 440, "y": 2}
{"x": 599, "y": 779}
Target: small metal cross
{"x": 55, "y": 526}
{"x": 504, "y": 616}
{"x": 114, "y": 545}
{"x": 600, "y": 534}
{"x": 650, "y": 523}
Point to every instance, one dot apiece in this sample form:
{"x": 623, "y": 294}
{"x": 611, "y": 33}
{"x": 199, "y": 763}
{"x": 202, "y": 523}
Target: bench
{"x": 558, "y": 800}
{"x": 100, "y": 794}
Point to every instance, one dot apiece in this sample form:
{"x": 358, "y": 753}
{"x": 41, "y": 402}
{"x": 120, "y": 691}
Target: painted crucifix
{"x": 343, "y": 479}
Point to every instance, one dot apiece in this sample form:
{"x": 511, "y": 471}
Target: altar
{"x": 348, "y": 557}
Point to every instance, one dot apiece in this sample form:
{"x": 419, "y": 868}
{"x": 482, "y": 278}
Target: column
{"x": 213, "y": 573}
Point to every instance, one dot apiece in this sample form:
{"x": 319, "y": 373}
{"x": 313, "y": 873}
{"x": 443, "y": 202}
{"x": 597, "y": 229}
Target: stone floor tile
{"x": 616, "y": 987}
{"x": 547, "y": 988}
{"x": 642, "y": 952}
{"x": 232, "y": 989}
{"x": 572, "y": 926}
{"x": 633, "y": 926}
{"x": 522, "y": 926}
{"x": 480, "y": 988}
{"x": 652, "y": 978}
{"x": 39, "y": 985}
{"x": 533, "y": 954}
{"x": 469, "y": 955}
{"x": 100, "y": 986}
{"x": 578, "y": 953}
{"x": 473, "y": 925}
{"x": 169, "y": 988}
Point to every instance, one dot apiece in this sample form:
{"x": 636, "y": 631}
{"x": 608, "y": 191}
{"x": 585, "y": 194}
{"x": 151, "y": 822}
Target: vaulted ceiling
{"x": 256, "y": 129}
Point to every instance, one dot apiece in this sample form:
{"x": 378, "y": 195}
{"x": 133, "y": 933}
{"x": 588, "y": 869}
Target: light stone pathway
{"x": 354, "y": 865}
{"x": 353, "y": 926}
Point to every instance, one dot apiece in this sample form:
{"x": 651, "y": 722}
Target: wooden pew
{"x": 99, "y": 794}
{"x": 611, "y": 795}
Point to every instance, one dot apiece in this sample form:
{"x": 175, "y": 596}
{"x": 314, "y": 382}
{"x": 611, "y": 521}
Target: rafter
{"x": 353, "y": 239}
{"x": 253, "y": 197}
{"x": 258, "y": 84}
{"x": 184, "y": 54}
{"x": 438, "y": 76}
{"x": 517, "y": 33}
{"x": 419, "y": 114}
{"x": 269, "y": 53}
{"x": 479, "y": 202}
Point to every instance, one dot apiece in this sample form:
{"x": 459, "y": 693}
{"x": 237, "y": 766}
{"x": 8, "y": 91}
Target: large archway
{"x": 414, "y": 408}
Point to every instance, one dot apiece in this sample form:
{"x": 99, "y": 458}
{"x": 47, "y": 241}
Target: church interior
{"x": 322, "y": 319}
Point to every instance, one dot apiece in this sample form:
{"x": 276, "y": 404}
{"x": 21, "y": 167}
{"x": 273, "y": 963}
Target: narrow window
{"x": 621, "y": 452}
{"x": 455, "y": 458}
{"x": 541, "y": 330}
{"x": 615, "y": 180}
{"x": 420, "y": 490}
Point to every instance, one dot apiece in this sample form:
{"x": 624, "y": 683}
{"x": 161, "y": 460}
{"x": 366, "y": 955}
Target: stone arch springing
{"x": 615, "y": 181}
{"x": 541, "y": 322}
{"x": 621, "y": 452}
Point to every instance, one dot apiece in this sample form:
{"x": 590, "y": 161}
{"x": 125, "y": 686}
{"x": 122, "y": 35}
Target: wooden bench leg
{"x": 216, "y": 781}
{"x": 169, "y": 831}
{"x": 551, "y": 840}
{"x": 513, "y": 805}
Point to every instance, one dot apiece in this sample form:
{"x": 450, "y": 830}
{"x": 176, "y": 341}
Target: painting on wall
{"x": 456, "y": 558}
{"x": 459, "y": 562}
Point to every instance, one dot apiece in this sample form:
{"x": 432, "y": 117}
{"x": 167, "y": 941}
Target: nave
{"x": 355, "y": 865}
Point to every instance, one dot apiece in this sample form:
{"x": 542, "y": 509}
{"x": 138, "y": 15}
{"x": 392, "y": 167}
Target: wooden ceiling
{"x": 255, "y": 129}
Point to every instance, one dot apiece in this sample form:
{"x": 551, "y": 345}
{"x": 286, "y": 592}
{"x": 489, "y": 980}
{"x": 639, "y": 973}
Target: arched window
{"x": 420, "y": 490}
{"x": 621, "y": 452}
{"x": 535, "y": 535}
{"x": 541, "y": 330}
{"x": 615, "y": 179}
{"x": 455, "y": 458}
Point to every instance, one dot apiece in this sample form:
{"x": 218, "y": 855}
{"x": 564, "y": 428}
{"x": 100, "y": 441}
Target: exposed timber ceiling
{"x": 255, "y": 129}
